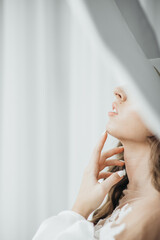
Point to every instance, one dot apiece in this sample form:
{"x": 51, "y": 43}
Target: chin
{"x": 113, "y": 132}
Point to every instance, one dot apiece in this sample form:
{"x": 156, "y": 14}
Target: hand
{"x": 92, "y": 193}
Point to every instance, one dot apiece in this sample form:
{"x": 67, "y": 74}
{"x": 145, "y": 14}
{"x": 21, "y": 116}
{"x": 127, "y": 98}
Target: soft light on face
{"x": 128, "y": 123}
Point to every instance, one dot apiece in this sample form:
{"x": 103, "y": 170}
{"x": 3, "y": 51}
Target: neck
{"x": 137, "y": 160}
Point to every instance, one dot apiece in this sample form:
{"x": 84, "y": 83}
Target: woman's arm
{"x": 73, "y": 224}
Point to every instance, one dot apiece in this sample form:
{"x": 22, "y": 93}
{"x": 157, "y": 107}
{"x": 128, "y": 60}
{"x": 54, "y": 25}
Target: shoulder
{"x": 142, "y": 223}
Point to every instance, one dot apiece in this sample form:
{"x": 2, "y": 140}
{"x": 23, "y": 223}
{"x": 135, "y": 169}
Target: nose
{"x": 120, "y": 94}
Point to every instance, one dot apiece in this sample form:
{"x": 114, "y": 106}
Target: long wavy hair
{"x": 116, "y": 192}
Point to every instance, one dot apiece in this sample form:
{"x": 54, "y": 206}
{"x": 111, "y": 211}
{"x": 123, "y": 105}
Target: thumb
{"x": 112, "y": 180}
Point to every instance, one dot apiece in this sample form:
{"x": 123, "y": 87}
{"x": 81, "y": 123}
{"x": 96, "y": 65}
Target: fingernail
{"x": 104, "y": 132}
{"x": 122, "y": 172}
{"x": 121, "y": 160}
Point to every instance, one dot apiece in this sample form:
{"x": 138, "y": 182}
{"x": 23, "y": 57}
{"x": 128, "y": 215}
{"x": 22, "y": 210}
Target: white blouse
{"x": 69, "y": 225}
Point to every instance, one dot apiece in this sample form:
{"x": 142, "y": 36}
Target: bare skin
{"x": 128, "y": 127}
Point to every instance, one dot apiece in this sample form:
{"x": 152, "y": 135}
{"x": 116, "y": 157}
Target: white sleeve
{"x": 67, "y": 225}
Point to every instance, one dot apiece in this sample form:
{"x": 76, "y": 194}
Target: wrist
{"x": 81, "y": 211}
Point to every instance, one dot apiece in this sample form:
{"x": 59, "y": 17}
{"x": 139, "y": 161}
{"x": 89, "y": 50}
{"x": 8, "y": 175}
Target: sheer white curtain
{"x": 56, "y": 92}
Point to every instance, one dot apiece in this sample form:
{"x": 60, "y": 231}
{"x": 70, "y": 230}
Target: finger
{"x": 101, "y": 142}
{"x": 98, "y": 148}
{"x": 111, "y": 162}
{"x": 112, "y": 180}
{"x": 110, "y": 153}
{"x": 104, "y": 175}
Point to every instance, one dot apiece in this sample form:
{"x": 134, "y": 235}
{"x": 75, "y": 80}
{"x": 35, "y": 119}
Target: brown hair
{"x": 116, "y": 192}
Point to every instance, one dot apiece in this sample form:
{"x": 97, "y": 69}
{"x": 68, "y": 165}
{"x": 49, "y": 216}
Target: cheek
{"x": 141, "y": 130}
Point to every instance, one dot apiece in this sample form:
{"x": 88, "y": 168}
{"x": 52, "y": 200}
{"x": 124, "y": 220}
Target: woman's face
{"x": 127, "y": 125}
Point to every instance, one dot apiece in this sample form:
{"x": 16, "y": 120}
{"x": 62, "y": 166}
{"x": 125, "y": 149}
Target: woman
{"x": 132, "y": 207}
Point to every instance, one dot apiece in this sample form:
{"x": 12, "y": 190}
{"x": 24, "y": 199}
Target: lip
{"x": 112, "y": 113}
